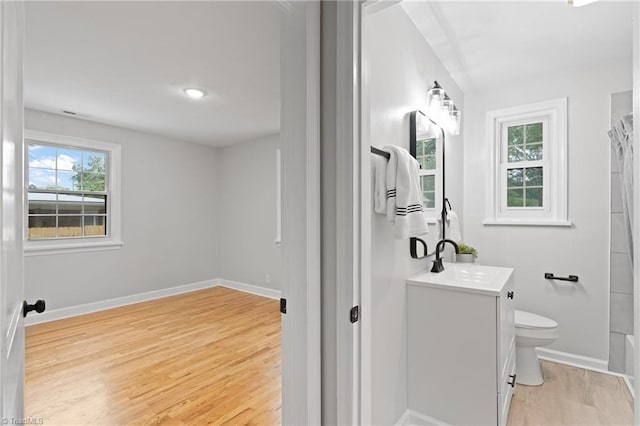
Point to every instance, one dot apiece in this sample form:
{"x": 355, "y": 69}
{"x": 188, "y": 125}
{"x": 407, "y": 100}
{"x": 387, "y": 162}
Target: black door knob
{"x": 39, "y": 307}
{"x": 510, "y": 295}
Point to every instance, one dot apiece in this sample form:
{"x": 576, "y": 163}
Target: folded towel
{"x": 404, "y": 195}
{"x": 380, "y": 184}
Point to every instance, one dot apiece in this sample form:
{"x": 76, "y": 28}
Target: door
{"x": 11, "y": 210}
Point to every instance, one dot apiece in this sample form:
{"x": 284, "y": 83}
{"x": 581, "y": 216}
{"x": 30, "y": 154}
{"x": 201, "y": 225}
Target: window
{"x": 72, "y": 197}
{"x": 528, "y": 171}
{"x": 426, "y": 156}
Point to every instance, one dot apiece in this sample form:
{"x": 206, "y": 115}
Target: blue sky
{"x": 51, "y": 166}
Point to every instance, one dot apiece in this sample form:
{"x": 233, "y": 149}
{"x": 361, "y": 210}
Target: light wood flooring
{"x": 572, "y": 396}
{"x": 211, "y": 356}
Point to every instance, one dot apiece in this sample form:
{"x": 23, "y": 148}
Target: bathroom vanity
{"x": 461, "y": 338}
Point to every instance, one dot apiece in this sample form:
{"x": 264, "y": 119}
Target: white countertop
{"x": 467, "y": 277}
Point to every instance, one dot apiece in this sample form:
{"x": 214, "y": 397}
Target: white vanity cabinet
{"x": 461, "y": 338}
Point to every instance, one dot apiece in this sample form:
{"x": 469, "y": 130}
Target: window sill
{"x": 38, "y": 249}
{"x": 507, "y": 222}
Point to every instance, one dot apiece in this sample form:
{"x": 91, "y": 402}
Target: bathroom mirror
{"x": 422, "y": 146}
{"x": 418, "y": 248}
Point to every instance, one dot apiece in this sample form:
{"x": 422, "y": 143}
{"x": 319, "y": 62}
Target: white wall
{"x": 168, "y": 221}
{"x": 401, "y": 68}
{"x": 582, "y": 311}
{"x": 246, "y": 211}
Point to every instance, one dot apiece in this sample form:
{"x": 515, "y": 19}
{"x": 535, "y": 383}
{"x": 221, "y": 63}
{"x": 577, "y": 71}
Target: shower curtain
{"x": 622, "y": 143}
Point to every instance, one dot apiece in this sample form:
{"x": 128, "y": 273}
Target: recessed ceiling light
{"x": 580, "y": 3}
{"x": 195, "y": 93}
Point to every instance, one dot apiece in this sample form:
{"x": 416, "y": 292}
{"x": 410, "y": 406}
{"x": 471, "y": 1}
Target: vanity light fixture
{"x": 195, "y": 93}
{"x": 442, "y": 110}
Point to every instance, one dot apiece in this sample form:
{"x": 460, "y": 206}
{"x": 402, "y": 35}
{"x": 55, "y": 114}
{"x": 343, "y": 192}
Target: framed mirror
{"x": 423, "y": 146}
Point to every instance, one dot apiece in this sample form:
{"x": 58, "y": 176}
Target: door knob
{"x": 39, "y": 307}
{"x": 510, "y": 295}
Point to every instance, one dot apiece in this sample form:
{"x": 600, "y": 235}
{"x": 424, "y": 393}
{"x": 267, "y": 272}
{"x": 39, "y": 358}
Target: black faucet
{"x": 437, "y": 264}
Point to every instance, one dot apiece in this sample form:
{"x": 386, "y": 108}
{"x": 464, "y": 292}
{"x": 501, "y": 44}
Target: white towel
{"x": 380, "y": 184}
{"x": 404, "y": 195}
{"x": 454, "y": 226}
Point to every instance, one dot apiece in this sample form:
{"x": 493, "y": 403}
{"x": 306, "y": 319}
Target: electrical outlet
{"x": 267, "y": 279}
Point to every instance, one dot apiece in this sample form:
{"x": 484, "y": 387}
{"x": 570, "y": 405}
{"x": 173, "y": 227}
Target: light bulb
{"x": 195, "y": 93}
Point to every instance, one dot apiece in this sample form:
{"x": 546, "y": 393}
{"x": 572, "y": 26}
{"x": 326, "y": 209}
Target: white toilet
{"x": 532, "y": 331}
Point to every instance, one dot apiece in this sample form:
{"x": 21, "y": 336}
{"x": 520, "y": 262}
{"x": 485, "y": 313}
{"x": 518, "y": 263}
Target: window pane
{"x": 69, "y": 226}
{"x": 41, "y": 156}
{"x": 42, "y": 178}
{"x": 514, "y": 198}
{"x": 514, "y": 177}
{"x": 429, "y": 146}
{"x": 534, "y": 176}
{"x": 95, "y": 204}
{"x": 514, "y": 135}
{"x": 516, "y": 153}
{"x": 534, "y": 152}
{"x": 429, "y": 199}
{"x": 69, "y": 204}
{"x": 534, "y": 197}
{"x": 534, "y": 133}
{"x": 94, "y": 225}
{"x": 68, "y": 180}
{"x": 92, "y": 182}
{"x": 94, "y": 162}
{"x": 42, "y": 227}
{"x": 428, "y": 183}
{"x": 42, "y": 203}
{"x": 69, "y": 159}
{"x": 428, "y": 162}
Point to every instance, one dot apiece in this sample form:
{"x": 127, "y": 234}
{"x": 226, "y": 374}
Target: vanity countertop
{"x": 465, "y": 277}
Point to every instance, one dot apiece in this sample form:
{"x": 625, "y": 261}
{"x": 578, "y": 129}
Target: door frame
{"x": 351, "y": 154}
{"x": 300, "y": 147}
{"x": 300, "y": 119}
{"x": 636, "y": 209}
{"x": 362, "y": 368}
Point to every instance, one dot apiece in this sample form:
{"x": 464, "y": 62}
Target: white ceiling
{"x": 126, "y": 63}
{"x": 487, "y": 44}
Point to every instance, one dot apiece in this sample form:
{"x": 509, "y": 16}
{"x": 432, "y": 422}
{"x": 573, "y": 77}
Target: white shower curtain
{"x": 621, "y": 141}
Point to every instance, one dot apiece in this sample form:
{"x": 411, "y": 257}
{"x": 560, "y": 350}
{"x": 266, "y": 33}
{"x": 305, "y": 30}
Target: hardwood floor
{"x": 211, "y": 356}
{"x": 572, "y": 396}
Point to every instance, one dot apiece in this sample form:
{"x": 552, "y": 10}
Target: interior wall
{"x": 399, "y": 69}
{"x": 246, "y": 213}
{"x": 621, "y": 271}
{"x": 582, "y": 310}
{"x": 168, "y": 221}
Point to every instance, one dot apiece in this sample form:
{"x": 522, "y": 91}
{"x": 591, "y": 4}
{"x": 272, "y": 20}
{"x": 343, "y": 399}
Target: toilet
{"x": 532, "y": 330}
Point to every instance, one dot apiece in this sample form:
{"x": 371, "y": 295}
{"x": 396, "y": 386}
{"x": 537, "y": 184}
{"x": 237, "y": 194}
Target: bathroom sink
{"x": 465, "y": 277}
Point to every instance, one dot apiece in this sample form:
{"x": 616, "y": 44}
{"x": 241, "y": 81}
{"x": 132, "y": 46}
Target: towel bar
{"x": 550, "y": 276}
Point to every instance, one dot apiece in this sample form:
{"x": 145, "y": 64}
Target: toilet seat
{"x": 530, "y": 321}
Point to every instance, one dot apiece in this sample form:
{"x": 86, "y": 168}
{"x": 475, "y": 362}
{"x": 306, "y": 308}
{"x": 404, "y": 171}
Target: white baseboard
{"x": 594, "y": 364}
{"x": 87, "y": 308}
{"x": 629, "y": 382}
{"x": 414, "y": 418}
{"x": 250, "y": 288}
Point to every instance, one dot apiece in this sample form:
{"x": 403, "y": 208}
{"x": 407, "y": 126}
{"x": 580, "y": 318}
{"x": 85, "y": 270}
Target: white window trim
{"x": 62, "y": 246}
{"x": 555, "y": 211}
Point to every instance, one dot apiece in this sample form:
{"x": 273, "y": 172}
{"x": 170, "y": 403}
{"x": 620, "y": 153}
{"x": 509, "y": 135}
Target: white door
{"x": 11, "y": 211}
